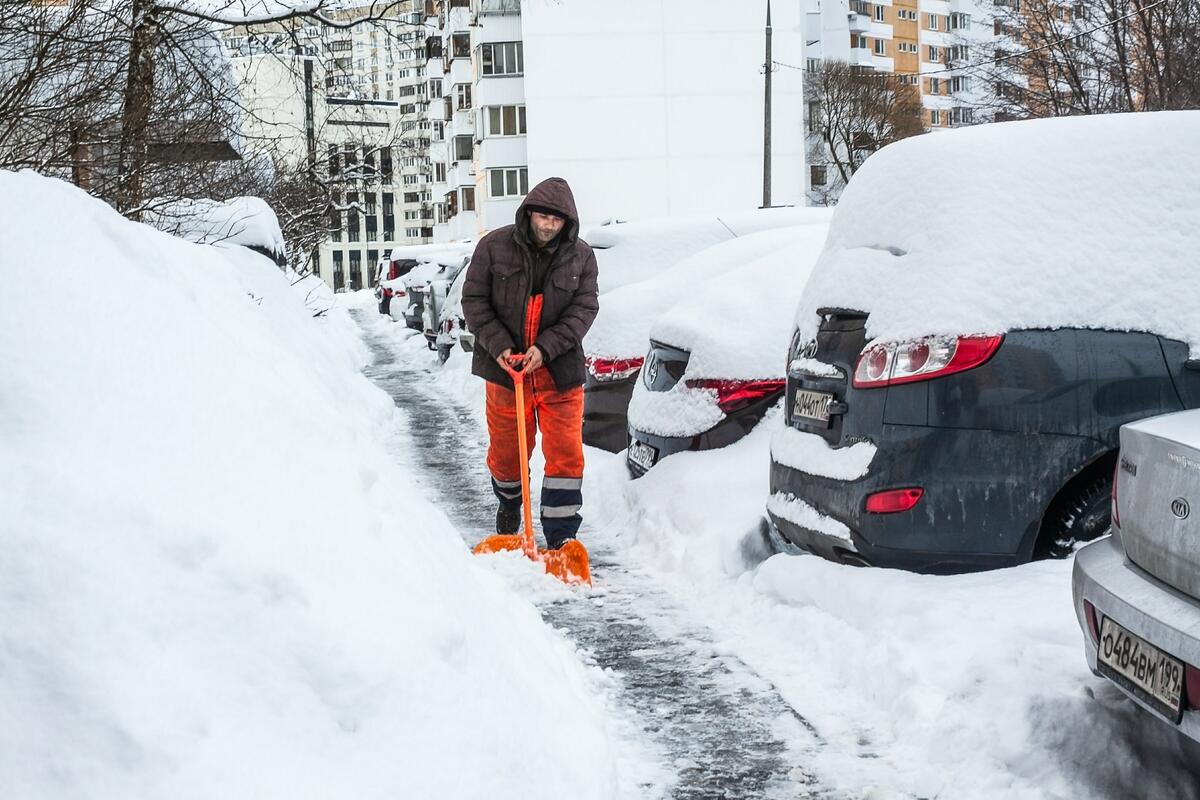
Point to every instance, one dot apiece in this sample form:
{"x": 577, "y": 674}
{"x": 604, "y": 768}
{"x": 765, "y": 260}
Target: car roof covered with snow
{"x": 736, "y": 325}
{"x": 245, "y": 221}
{"x": 637, "y": 250}
{"x": 622, "y": 328}
{"x": 1088, "y": 222}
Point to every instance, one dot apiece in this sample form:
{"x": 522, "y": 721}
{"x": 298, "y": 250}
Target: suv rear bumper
{"x": 725, "y": 432}
{"x": 974, "y": 514}
{"x": 1164, "y": 617}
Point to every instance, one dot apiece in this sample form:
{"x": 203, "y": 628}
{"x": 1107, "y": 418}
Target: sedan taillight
{"x": 613, "y": 369}
{"x": 891, "y": 363}
{"x": 735, "y": 395}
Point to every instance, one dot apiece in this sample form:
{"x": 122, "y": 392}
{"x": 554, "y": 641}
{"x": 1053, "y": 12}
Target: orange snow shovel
{"x": 570, "y": 562}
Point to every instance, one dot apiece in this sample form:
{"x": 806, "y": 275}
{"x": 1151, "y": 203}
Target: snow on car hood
{"x": 246, "y": 221}
{"x": 622, "y": 328}
{"x": 1090, "y": 222}
{"x": 627, "y": 252}
{"x": 736, "y": 326}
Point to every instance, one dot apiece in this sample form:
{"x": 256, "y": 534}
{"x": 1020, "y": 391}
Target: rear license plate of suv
{"x": 812, "y": 405}
{"x": 1139, "y": 666}
{"x": 641, "y": 454}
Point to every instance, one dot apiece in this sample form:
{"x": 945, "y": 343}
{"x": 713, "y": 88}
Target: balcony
{"x": 861, "y": 57}
{"x": 859, "y": 23}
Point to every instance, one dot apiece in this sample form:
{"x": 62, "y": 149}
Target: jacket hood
{"x": 555, "y": 194}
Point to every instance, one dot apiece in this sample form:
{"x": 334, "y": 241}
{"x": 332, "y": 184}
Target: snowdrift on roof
{"x": 627, "y": 252}
{"x": 1090, "y": 222}
{"x": 215, "y": 581}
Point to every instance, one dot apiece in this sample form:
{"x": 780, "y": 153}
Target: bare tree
{"x": 851, "y": 114}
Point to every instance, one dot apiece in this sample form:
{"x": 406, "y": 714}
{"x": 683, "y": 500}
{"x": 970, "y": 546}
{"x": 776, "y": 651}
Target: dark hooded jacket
{"x": 499, "y": 284}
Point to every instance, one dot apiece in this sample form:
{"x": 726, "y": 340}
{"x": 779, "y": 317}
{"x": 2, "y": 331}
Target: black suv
{"x": 989, "y": 450}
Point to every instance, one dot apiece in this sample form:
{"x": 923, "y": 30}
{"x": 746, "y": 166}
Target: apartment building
{"x": 926, "y": 42}
{"x": 352, "y": 103}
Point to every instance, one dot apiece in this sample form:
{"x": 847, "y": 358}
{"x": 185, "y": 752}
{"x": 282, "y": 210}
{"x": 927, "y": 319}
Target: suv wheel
{"x": 1081, "y": 516}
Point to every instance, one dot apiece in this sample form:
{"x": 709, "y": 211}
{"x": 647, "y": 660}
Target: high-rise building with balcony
{"x": 351, "y": 103}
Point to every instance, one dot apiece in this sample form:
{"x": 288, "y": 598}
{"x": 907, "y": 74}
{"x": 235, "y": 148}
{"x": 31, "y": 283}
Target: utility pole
{"x": 768, "y": 68}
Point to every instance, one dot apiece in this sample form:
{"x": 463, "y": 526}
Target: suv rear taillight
{"x": 735, "y": 395}
{"x": 613, "y": 369}
{"x": 890, "y": 363}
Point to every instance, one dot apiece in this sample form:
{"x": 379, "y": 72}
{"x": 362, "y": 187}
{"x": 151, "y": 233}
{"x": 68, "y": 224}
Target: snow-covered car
{"x": 240, "y": 221}
{"x": 1137, "y": 592}
{"x": 955, "y": 390}
{"x": 436, "y": 294}
{"x": 713, "y": 368}
{"x": 398, "y": 281}
{"x": 452, "y": 325}
{"x": 418, "y": 285}
{"x": 645, "y": 267}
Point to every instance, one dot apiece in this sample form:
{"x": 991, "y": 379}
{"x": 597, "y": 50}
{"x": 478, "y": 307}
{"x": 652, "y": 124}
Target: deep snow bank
{"x": 1088, "y": 222}
{"x": 214, "y": 580}
{"x": 970, "y": 686}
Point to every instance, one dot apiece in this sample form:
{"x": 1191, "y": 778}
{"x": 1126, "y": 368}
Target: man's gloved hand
{"x": 505, "y": 359}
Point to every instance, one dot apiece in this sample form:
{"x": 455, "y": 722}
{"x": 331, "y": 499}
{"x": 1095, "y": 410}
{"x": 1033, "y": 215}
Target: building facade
{"x": 351, "y": 103}
{"x": 927, "y": 43}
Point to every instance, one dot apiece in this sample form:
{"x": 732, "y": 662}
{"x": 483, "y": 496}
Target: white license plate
{"x": 812, "y": 405}
{"x": 641, "y": 454}
{"x": 1139, "y": 666}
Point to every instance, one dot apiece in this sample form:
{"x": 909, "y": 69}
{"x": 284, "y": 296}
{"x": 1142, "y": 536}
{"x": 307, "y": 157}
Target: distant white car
{"x": 715, "y": 364}
{"x": 452, "y": 325}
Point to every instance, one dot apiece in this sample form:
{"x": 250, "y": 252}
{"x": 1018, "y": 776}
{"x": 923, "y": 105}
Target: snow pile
{"x": 970, "y": 686}
{"x": 622, "y": 328}
{"x": 736, "y": 327}
{"x": 627, "y": 252}
{"x": 812, "y": 455}
{"x": 245, "y": 221}
{"x": 215, "y": 580}
{"x": 1090, "y": 222}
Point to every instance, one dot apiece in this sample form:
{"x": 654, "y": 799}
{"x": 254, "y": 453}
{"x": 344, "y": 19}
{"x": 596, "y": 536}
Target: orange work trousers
{"x": 559, "y": 418}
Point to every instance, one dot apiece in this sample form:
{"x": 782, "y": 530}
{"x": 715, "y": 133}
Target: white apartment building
{"x": 647, "y": 107}
{"x": 926, "y": 41}
{"x": 353, "y": 102}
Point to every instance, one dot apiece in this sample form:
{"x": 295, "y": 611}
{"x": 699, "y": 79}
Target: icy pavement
{"x": 723, "y": 731}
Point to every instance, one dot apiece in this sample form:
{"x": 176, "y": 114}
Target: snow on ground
{"x": 215, "y": 579}
{"x": 1016, "y": 250}
{"x": 971, "y": 686}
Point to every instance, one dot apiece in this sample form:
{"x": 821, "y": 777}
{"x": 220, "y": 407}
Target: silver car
{"x": 1137, "y": 593}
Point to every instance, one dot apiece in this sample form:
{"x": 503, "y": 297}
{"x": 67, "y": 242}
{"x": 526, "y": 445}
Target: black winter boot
{"x": 508, "y": 519}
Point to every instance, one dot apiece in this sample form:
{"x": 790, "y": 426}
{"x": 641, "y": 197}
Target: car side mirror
{"x": 1192, "y": 364}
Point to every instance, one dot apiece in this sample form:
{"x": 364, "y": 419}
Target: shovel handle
{"x": 518, "y": 375}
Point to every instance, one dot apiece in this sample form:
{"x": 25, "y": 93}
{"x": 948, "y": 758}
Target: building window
{"x": 879, "y": 13}
{"x": 356, "y": 269}
{"x": 372, "y": 263}
{"x": 816, "y": 174}
{"x": 460, "y": 45}
{"x": 934, "y": 55}
{"x": 960, "y": 84}
{"x": 960, "y": 20}
{"x": 462, "y": 96}
{"x": 933, "y": 116}
{"x": 860, "y": 42}
{"x": 435, "y": 87}
{"x": 463, "y": 148}
{"x": 935, "y": 85}
{"x": 505, "y": 120}
{"x": 502, "y": 58}
{"x": 468, "y": 199}
{"x": 439, "y": 173}
{"x": 933, "y": 21}
{"x": 814, "y": 115}
{"x": 880, "y": 47}
{"x": 385, "y": 162}
{"x": 339, "y": 277}
{"x": 438, "y": 131}
{"x": 508, "y": 182}
{"x": 335, "y": 164}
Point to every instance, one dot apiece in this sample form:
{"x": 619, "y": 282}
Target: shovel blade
{"x": 570, "y": 563}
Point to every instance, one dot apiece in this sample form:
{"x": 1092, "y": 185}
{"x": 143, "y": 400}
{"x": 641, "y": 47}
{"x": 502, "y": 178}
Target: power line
{"x": 1010, "y": 56}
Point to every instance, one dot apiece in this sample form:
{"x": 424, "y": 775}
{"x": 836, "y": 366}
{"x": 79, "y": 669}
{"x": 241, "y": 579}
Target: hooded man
{"x": 530, "y": 293}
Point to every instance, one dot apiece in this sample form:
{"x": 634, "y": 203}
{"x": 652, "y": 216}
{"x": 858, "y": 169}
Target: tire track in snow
{"x": 727, "y": 732}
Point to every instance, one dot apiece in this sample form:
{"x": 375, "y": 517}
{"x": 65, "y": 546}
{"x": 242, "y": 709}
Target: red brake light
{"x": 735, "y": 395}
{"x": 613, "y": 369}
{"x": 894, "y": 500}
{"x": 1191, "y": 680}
{"x": 1093, "y": 622}
{"x": 890, "y": 363}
